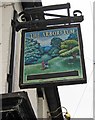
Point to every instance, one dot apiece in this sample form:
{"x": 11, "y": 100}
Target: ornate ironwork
{"x": 32, "y": 18}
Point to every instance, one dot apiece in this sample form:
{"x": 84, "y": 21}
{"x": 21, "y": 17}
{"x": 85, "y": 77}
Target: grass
{"x": 58, "y": 64}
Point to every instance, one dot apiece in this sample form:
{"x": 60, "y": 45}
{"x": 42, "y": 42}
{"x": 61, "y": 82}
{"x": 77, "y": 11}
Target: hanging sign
{"x": 52, "y": 56}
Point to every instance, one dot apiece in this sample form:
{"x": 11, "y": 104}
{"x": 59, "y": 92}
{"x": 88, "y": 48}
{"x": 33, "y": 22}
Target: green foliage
{"x": 69, "y": 48}
{"x": 56, "y": 46}
{"x": 56, "y": 42}
{"x": 74, "y": 51}
{"x": 54, "y": 52}
{"x": 69, "y": 44}
{"x": 64, "y": 46}
{"x": 62, "y": 51}
{"x": 33, "y": 51}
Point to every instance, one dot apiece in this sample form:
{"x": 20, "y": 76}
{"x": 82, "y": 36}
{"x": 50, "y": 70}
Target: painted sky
{"x": 46, "y": 40}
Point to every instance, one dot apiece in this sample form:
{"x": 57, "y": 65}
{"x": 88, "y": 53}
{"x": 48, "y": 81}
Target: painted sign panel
{"x": 52, "y": 56}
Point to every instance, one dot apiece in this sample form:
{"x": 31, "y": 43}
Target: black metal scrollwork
{"x": 76, "y": 12}
{"x": 33, "y": 18}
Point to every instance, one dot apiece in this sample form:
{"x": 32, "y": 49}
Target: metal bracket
{"x": 33, "y": 18}
{"x": 10, "y": 75}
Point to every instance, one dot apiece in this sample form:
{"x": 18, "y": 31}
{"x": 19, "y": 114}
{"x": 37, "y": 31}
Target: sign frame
{"x": 49, "y": 76}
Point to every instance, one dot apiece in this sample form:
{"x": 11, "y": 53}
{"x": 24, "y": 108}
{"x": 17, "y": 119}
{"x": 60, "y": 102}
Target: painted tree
{"x": 55, "y": 43}
{"x": 33, "y": 51}
{"x": 69, "y": 48}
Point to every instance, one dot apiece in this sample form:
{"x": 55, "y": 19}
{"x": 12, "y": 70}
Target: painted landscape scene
{"x": 52, "y": 51}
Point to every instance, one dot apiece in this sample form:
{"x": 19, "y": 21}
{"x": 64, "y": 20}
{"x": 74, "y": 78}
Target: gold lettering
{"x": 47, "y": 34}
{"x": 44, "y": 34}
{"x": 57, "y": 33}
{"x": 34, "y": 35}
{"x": 50, "y": 34}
